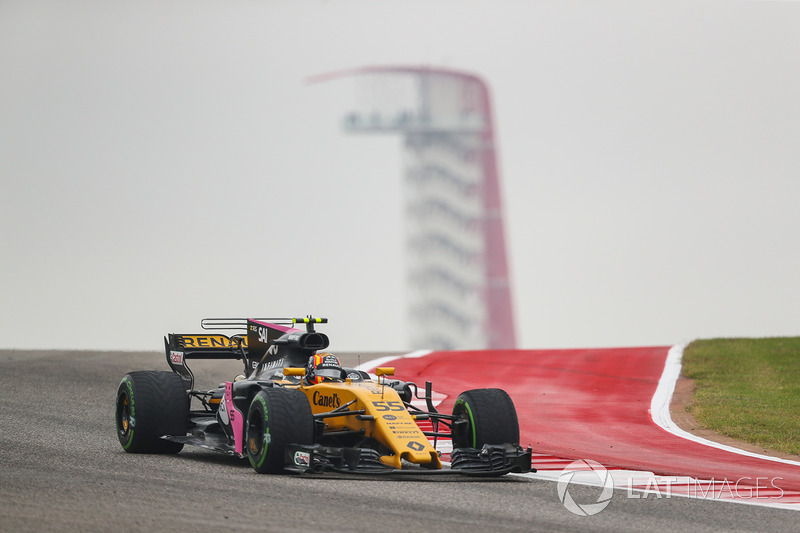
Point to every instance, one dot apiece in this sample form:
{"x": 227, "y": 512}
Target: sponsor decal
{"x": 211, "y": 341}
{"x": 323, "y": 400}
{"x": 406, "y": 427}
{"x": 416, "y": 446}
{"x": 389, "y": 417}
{"x": 176, "y": 357}
{"x": 222, "y": 413}
{"x": 329, "y": 361}
{"x": 302, "y": 458}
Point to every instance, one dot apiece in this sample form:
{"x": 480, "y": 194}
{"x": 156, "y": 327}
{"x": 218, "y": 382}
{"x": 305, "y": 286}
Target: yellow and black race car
{"x": 296, "y": 409}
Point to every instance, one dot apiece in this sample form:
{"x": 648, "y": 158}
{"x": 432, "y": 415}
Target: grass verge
{"x": 747, "y": 389}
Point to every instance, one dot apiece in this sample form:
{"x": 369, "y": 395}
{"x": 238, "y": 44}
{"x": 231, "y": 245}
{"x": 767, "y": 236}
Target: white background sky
{"x": 161, "y": 162}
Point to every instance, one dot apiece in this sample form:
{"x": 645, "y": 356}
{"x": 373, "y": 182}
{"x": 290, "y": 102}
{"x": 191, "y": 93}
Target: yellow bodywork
{"x": 390, "y": 422}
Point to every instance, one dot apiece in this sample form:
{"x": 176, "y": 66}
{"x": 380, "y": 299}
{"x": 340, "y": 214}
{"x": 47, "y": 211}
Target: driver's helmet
{"x": 323, "y": 367}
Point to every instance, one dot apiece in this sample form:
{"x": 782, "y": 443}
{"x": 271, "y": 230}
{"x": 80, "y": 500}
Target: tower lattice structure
{"x": 458, "y": 290}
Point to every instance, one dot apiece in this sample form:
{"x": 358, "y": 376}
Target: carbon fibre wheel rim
{"x": 257, "y": 439}
{"x": 124, "y": 423}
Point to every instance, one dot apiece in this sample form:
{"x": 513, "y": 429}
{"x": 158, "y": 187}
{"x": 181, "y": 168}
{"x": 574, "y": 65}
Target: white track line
{"x": 375, "y": 363}
{"x": 659, "y": 408}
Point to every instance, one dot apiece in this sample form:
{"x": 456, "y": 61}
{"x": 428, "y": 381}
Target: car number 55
{"x": 389, "y": 406}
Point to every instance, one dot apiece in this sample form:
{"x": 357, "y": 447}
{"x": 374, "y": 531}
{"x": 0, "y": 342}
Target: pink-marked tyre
{"x": 151, "y": 404}
{"x": 491, "y": 419}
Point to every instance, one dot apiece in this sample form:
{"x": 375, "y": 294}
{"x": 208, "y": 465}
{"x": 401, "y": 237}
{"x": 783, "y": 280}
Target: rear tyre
{"x": 151, "y": 404}
{"x": 276, "y": 417}
{"x": 491, "y": 419}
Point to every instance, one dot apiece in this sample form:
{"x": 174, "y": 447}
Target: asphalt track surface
{"x": 62, "y": 468}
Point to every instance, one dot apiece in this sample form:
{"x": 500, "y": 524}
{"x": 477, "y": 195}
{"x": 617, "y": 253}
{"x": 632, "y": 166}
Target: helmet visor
{"x": 329, "y": 373}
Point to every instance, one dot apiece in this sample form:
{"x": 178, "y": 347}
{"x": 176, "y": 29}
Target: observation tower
{"x": 458, "y": 290}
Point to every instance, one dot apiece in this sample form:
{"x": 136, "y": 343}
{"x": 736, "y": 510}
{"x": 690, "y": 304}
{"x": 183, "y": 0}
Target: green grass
{"x": 748, "y": 389}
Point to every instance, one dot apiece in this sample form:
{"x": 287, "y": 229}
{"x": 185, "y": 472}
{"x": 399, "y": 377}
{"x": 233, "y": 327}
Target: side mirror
{"x": 294, "y": 371}
{"x": 384, "y": 371}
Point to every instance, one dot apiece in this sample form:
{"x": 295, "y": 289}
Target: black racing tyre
{"x": 151, "y": 404}
{"x": 491, "y": 418}
{"x": 276, "y": 417}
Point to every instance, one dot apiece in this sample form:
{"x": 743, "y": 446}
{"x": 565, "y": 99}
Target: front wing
{"x": 491, "y": 460}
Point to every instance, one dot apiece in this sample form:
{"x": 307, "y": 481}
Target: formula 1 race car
{"x": 297, "y": 410}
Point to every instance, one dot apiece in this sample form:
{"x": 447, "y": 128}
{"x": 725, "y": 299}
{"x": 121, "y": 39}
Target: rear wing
{"x": 263, "y": 343}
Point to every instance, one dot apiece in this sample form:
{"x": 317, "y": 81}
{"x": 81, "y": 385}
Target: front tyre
{"x": 151, "y": 404}
{"x": 490, "y": 417}
{"x": 276, "y": 417}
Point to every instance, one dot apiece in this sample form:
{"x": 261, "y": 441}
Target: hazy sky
{"x": 161, "y": 162}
